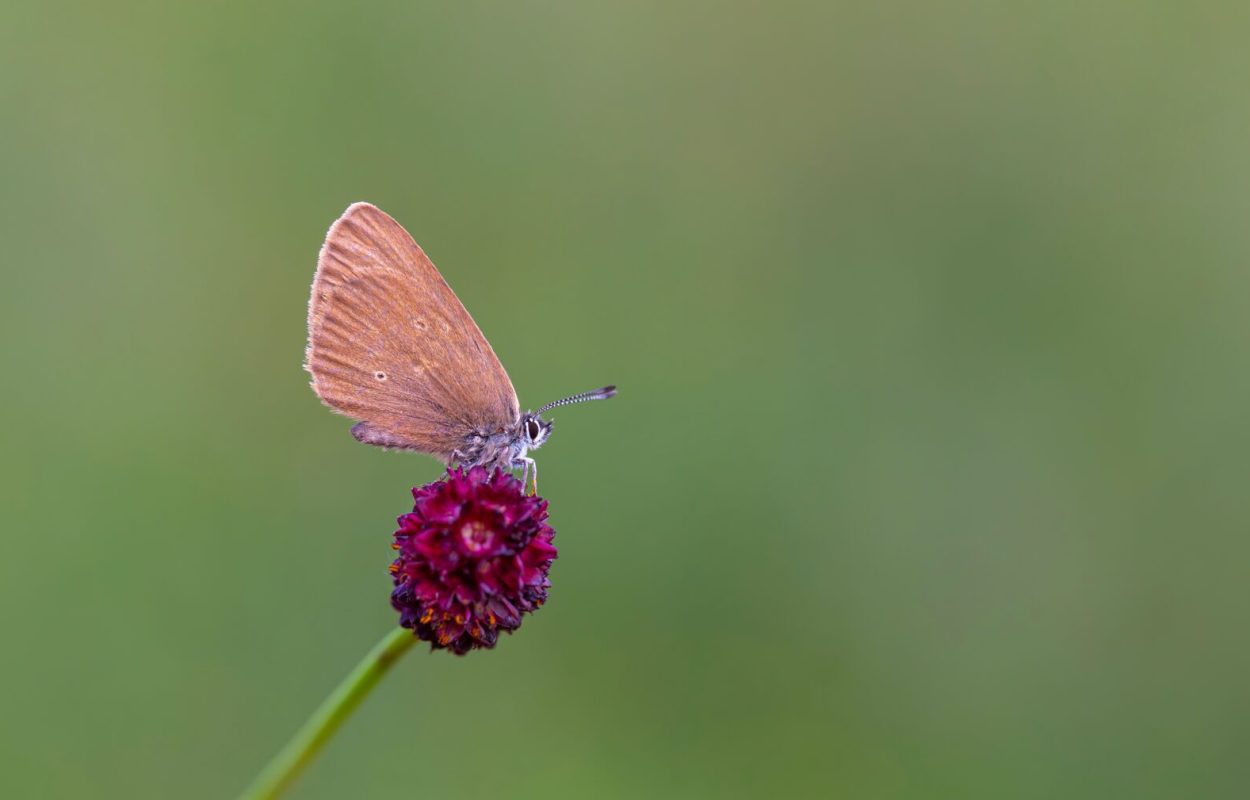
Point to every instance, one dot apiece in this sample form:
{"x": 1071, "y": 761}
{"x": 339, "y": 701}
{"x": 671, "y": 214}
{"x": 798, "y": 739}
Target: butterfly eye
{"x": 531, "y": 428}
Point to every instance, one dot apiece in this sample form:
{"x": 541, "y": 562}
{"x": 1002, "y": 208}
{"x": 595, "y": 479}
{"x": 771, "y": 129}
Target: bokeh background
{"x": 928, "y": 474}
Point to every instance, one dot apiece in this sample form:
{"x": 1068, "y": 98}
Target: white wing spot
{"x": 380, "y": 375}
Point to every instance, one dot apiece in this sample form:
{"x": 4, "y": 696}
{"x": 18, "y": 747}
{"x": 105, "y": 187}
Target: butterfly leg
{"x": 528, "y": 468}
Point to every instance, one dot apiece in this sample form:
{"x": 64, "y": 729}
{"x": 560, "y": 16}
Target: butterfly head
{"x": 534, "y": 430}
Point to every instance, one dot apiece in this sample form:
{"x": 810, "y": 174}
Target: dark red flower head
{"x": 473, "y": 557}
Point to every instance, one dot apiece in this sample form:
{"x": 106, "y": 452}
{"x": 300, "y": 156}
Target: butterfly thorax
{"x": 502, "y": 449}
{"x": 489, "y": 450}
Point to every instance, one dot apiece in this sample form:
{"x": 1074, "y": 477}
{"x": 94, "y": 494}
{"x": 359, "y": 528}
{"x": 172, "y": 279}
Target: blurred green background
{"x": 928, "y": 475}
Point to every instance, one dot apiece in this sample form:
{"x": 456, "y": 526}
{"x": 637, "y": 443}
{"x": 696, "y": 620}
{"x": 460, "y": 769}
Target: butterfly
{"x": 390, "y": 345}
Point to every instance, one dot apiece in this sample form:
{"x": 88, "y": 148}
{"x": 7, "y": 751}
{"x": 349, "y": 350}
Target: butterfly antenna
{"x": 593, "y": 394}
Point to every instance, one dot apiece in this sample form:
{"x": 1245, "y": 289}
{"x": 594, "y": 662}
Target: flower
{"x": 473, "y": 557}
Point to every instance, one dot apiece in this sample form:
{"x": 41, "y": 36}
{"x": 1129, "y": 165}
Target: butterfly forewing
{"x": 391, "y": 345}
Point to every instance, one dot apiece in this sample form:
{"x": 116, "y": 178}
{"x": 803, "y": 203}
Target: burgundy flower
{"x": 473, "y": 557}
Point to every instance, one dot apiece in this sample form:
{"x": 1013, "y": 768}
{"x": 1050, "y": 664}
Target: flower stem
{"x": 283, "y": 769}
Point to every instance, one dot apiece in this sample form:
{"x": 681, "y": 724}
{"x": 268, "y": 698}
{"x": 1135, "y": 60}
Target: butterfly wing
{"x": 390, "y": 344}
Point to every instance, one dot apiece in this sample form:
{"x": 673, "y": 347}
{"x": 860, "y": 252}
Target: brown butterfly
{"x": 391, "y": 345}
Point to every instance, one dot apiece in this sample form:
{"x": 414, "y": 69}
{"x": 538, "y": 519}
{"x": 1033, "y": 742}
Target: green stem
{"x": 282, "y": 771}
